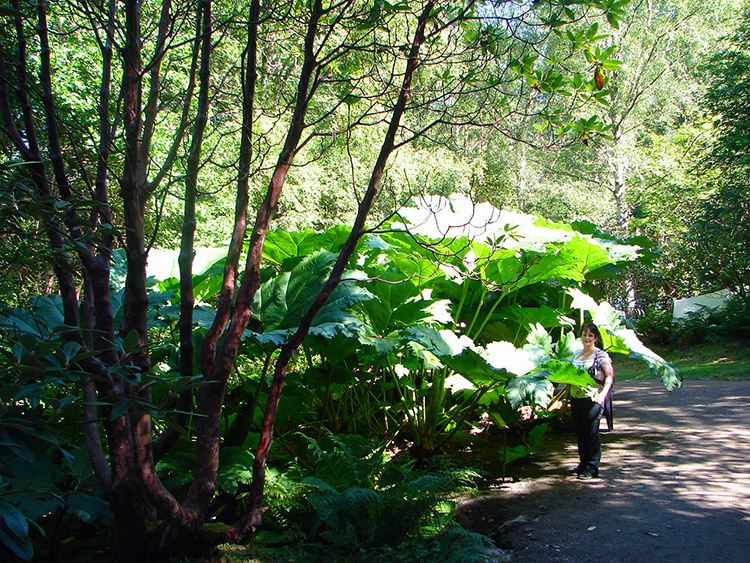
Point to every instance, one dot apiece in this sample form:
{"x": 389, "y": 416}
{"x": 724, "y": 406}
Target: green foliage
{"x": 618, "y": 338}
{"x": 718, "y": 239}
{"x": 24, "y": 259}
{"x": 450, "y": 324}
{"x": 529, "y": 445}
{"x": 43, "y": 473}
{"x": 417, "y": 334}
{"x": 362, "y": 497}
{"x": 728, "y": 100}
{"x": 657, "y": 326}
{"x": 731, "y": 322}
{"x": 283, "y": 299}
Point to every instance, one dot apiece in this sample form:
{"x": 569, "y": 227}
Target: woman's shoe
{"x": 588, "y": 474}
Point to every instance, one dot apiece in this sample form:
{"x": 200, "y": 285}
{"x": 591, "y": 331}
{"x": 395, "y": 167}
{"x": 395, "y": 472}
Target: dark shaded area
{"x": 674, "y": 486}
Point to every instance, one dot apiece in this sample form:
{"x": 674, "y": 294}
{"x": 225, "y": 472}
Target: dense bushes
{"x": 657, "y": 327}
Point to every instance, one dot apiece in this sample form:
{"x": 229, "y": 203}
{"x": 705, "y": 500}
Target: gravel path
{"x": 674, "y": 485}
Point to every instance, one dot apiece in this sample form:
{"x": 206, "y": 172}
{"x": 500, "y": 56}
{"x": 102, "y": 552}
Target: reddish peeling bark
{"x": 252, "y": 518}
{"x": 127, "y": 474}
{"x": 202, "y": 48}
{"x": 217, "y": 362}
{"x": 226, "y": 295}
{"x": 28, "y": 146}
{"x": 186, "y": 516}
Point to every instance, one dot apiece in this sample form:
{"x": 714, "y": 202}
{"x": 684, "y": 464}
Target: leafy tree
{"x": 719, "y": 236}
{"x": 638, "y": 178}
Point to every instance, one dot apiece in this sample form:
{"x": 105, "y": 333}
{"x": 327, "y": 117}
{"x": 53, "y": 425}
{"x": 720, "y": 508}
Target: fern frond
{"x": 319, "y": 484}
{"x": 357, "y": 496}
{"x": 462, "y": 546}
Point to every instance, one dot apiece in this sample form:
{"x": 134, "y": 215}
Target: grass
{"x": 728, "y": 360}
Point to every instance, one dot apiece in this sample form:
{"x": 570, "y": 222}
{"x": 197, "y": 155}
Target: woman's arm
{"x": 609, "y": 378}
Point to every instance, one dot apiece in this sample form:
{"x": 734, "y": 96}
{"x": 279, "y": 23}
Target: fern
{"x": 288, "y": 516}
{"x": 345, "y": 460}
{"x": 361, "y": 497}
{"x": 454, "y": 545}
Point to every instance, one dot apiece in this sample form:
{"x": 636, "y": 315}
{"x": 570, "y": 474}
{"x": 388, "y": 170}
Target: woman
{"x": 587, "y": 404}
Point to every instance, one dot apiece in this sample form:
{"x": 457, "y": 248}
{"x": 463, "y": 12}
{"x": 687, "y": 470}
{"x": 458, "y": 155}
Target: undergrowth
{"x": 346, "y": 498}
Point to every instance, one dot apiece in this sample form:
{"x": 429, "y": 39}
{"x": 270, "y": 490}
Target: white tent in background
{"x": 716, "y": 300}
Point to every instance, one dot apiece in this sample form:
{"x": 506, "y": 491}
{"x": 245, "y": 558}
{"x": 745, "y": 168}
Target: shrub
{"x": 706, "y": 325}
{"x": 362, "y": 498}
{"x": 656, "y": 326}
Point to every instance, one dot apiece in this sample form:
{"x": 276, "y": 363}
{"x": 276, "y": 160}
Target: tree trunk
{"x": 252, "y": 518}
{"x": 217, "y": 362}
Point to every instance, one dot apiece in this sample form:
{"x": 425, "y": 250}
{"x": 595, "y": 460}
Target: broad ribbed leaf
{"x": 47, "y": 315}
{"x": 566, "y": 346}
{"x": 398, "y": 303}
{"x": 284, "y": 245}
{"x": 539, "y": 337}
{"x": 558, "y": 371}
{"x": 14, "y": 531}
{"x": 518, "y": 361}
{"x": 281, "y": 302}
{"x": 531, "y": 389}
{"x": 88, "y": 508}
{"x": 459, "y": 353}
{"x": 617, "y": 338}
{"x": 417, "y": 270}
{"x": 164, "y": 264}
{"x": 383, "y": 345}
{"x": 442, "y": 343}
{"x": 474, "y": 367}
{"x": 235, "y": 469}
{"x": 531, "y": 315}
{"x": 624, "y": 340}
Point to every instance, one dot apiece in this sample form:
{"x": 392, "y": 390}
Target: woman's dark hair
{"x": 591, "y": 327}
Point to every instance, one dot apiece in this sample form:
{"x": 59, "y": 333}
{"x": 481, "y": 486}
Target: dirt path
{"x": 674, "y": 485}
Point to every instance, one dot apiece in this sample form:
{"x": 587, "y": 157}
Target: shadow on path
{"x": 674, "y": 485}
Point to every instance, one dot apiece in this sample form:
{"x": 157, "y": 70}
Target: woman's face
{"x": 588, "y": 338}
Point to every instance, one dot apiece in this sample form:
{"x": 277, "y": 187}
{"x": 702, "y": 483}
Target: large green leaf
{"x": 46, "y": 315}
{"x": 383, "y": 345}
{"x": 530, "y": 389}
{"x": 235, "y": 468}
{"x": 88, "y": 508}
{"x": 283, "y": 245}
{"x": 417, "y": 270}
{"x": 281, "y": 302}
{"x": 526, "y": 315}
{"x": 442, "y": 343}
{"x": 625, "y": 340}
{"x": 518, "y": 361}
{"x": 395, "y": 304}
{"x": 563, "y": 372}
{"x": 459, "y": 353}
{"x": 14, "y": 531}
{"x": 164, "y": 264}
{"x": 474, "y": 367}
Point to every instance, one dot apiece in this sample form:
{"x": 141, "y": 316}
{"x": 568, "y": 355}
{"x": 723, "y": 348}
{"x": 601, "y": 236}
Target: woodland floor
{"x": 674, "y": 484}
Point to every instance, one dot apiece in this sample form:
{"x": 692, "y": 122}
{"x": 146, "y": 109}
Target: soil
{"x": 674, "y": 484}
